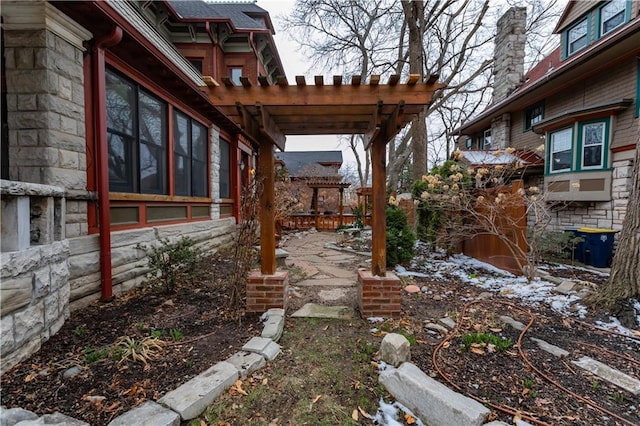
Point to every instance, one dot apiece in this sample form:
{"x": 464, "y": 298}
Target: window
{"x": 561, "y": 153}
{"x": 533, "y": 115}
{"x": 225, "y": 169}
{"x": 136, "y": 138}
{"x": 485, "y": 143}
{"x": 468, "y": 143}
{"x": 190, "y": 153}
{"x": 197, "y": 64}
{"x": 593, "y": 142}
{"x": 612, "y": 15}
{"x": 577, "y": 37}
{"x": 235, "y": 73}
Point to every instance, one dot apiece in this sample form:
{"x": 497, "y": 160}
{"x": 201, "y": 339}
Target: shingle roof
{"x": 310, "y": 162}
{"x": 239, "y": 13}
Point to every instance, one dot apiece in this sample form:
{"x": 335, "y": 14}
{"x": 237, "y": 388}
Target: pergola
{"x": 268, "y": 112}
{"x": 327, "y": 182}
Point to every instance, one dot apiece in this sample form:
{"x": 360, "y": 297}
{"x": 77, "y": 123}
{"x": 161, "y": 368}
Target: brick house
{"x": 108, "y": 141}
{"x": 581, "y": 101}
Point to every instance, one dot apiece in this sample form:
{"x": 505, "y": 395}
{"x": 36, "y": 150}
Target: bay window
{"x": 593, "y": 141}
{"x": 561, "y": 150}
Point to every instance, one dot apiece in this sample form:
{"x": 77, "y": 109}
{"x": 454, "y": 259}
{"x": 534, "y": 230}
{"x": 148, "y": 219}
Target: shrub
{"x": 171, "y": 263}
{"x": 400, "y": 237}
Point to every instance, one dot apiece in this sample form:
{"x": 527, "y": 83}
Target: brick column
{"x": 267, "y": 291}
{"x": 379, "y": 296}
{"x": 45, "y": 101}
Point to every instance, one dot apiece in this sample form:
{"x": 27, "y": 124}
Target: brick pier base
{"x": 267, "y": 291}
{"x": 379, "y": 296}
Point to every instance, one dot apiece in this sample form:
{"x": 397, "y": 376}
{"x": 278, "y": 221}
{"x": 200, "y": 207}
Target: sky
{"x": 296, "y": 64}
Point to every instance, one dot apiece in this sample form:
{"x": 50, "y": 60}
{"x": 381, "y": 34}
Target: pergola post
{"x": 267, "y": 288}
{"x": 341, "y": 190}
{"x": 378, "y": 213}
{"x": 267, "y": 214}
{"x": 315, "y": 207}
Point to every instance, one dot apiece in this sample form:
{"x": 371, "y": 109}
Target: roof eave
{"x": 531, "y": 91}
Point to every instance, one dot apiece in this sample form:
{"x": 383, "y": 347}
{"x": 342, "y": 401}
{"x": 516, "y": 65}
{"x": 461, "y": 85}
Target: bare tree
{"x": 452, "y": 39}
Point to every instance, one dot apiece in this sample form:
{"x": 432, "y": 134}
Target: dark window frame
{"x": 533, "y": 115}
{"x": 132, "y": 141}
{"x": 196, "y": 172}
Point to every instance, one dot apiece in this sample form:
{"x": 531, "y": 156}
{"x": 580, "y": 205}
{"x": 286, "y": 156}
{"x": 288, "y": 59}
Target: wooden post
{"x": 378, "y": 213}
{"x": 341, "y": 190}
{"x": 315, "y": 207}
{"x": 267, "y": 213}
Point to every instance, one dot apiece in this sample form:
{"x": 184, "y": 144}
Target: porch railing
{"x": 324, "y": 222}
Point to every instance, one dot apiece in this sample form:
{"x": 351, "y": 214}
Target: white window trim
{"x": 551, "y": 151}
{"x": 602, "y": 21}
{"x": 486, "y": 145}
{"x": 586, "y": 34}
{"x": 602, "y": 144}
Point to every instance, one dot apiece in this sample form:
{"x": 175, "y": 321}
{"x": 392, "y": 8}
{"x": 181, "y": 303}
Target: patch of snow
{"x": 615, "y": 325}
{"x": 374, "y": 320}
{"x": 636, "y": 306}
{"x": 387, "y": 414}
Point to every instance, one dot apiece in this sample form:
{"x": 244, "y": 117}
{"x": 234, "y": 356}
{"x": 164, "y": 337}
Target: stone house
{"x": 108, "y": 141}
{"x": 581, "y": 102}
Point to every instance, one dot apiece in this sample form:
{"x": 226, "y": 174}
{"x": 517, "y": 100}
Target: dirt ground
{"x": 327, "y": 371}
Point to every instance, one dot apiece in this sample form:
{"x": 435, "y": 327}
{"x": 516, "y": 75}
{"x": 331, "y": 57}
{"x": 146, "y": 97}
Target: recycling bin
{"x": 598, "y": 246}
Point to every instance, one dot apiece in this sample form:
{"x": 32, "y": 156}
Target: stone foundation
{"x": 379, "y": 296}
{"x": 35, "y": 299}
{"x": 267, "y": 291}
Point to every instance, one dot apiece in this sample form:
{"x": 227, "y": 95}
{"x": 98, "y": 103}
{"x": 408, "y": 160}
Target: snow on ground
{"x": 490, "y": 278}
{"x": 387, "y": 414}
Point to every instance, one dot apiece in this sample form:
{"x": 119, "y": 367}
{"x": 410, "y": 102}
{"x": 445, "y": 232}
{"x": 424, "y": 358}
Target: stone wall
{"x": 45, "y": 102}
{"x": 128, "y": 261}
{"x": 34, "y": 279}
{"x": 508, "y": 54}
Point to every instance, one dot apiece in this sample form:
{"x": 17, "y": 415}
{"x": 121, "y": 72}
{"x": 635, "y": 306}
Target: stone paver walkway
{"x": 330, "y": 276}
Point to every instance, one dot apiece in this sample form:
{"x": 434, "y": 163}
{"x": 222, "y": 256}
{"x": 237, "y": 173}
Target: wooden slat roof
{"x": 265, "y": 110}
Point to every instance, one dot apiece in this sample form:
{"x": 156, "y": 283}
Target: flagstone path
{"x": 329, "y": 276}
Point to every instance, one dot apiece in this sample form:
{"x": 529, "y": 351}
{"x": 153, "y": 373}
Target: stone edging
{"x": 190, "y": 399}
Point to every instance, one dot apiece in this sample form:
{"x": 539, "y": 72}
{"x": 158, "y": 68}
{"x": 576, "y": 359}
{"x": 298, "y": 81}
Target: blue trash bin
{"x": 598, "y": 246}
{"x": 579, "y": 248}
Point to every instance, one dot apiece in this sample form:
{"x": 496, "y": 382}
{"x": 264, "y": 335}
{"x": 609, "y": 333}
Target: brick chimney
{"x": 508, "y": 68}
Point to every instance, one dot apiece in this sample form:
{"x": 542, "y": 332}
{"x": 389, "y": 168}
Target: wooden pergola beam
{"x": 269, "y": 127}
{"x": 387, "y": 129}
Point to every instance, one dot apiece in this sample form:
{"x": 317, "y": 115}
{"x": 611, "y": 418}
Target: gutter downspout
{"x": 100, "y": 120}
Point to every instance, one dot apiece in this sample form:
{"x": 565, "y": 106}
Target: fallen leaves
{"x": 237, "y": 387}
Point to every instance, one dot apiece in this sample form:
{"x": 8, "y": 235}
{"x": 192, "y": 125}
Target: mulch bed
{"x": 204, "y": 333}
{"x": 529, "y": 383}
{"x": 105, "y": 388}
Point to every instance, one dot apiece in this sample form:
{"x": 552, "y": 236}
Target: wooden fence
{"x": 512, "y": 224}
{"x": 322, "y": 222}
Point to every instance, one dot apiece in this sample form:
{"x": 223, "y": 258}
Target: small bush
{"x": 400, "y": 237}
{"x": 554, "y": 245}
{"x": 171, "y": 263}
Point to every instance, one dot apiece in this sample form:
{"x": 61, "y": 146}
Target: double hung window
{"x": 593, "y": 141}
{"x": 561, "y": 150}
{"x": 612, "y": 15}
{"x": 578, "y": 36}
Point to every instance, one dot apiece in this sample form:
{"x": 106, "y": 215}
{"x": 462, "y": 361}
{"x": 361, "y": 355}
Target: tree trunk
{"x": 414, "y": 17}
{"x": 624, "y": 281}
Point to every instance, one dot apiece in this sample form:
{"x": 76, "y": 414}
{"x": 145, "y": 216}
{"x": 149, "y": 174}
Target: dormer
{"x": 584, "y": 23}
